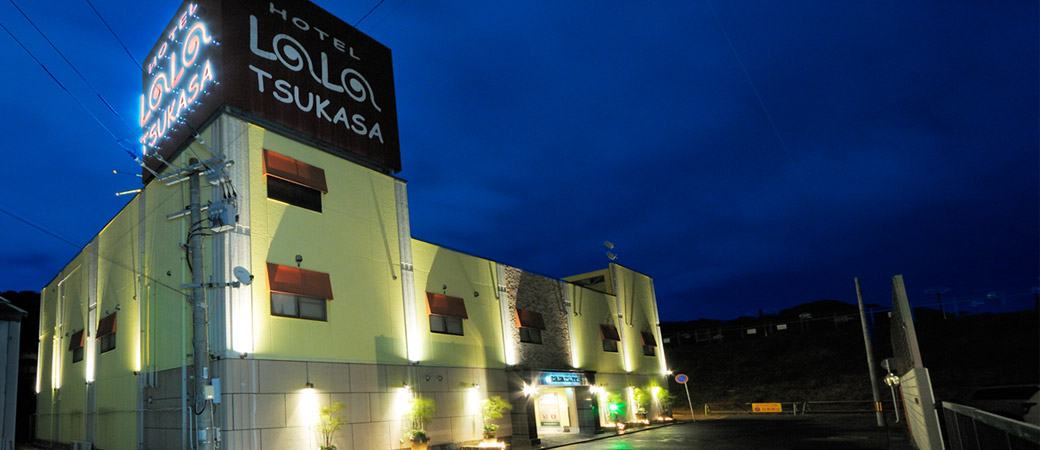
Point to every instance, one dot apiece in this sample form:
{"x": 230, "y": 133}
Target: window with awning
{"x": 530, "y": 325}
{"x": 299, "y": 293}
{"x": 446, "y": 313}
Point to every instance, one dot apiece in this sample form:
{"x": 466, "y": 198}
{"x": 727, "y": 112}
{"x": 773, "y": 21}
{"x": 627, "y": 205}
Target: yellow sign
{"x": 766, "y": 407}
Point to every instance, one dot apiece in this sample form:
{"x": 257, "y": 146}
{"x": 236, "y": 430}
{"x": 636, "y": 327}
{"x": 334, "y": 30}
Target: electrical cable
{"x": 368, "y": 13}
{"x": 73, "y": 66}
{"x": 45, "y": 69}
{"x": 758, "y": 96}
{"x": 115, "y": 36}
{"x": 55, "y": 235}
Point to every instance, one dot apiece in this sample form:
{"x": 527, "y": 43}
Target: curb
{"x": 600, "y": 438}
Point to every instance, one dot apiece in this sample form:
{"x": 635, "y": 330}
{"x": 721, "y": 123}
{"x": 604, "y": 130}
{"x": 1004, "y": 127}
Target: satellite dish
{"x": 243, "y": 275}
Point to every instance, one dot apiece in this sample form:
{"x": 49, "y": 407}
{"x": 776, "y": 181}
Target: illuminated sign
{"x": 766, "y": 407}
{"x": 562, "y": 379}
{"x": 177, "y": 78}
{"x": 285, "y": 65}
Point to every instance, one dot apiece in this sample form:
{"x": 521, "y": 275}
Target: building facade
{"x": 315, "y": 293}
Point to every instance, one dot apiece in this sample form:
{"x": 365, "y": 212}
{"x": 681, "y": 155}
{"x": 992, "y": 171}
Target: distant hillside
{"x": 815, "y": 352}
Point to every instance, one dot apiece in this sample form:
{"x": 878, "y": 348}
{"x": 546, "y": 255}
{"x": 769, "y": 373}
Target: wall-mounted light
{"x": 309, "y": 385}
{"x": 529, "y": 390}
{"x": 299, "y": 260}
{"x": 406, "y": 386}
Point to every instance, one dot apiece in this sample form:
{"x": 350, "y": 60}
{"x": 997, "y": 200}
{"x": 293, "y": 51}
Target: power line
{"x": 73, "y": 66}
{"x": 31, "y": 223}
{"x": 366, "y": 14}
{"x": 758, "y": 96}
{"x": 45, "y": 69}
{"x": 392, "y": 11}
{"x": 115, "y": 35}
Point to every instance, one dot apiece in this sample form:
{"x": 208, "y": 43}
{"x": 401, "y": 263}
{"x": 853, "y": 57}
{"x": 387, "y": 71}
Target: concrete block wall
{"x": 264, "y": 405}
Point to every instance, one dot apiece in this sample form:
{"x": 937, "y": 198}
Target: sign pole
{"x": 692, "y": 419}
{"x": 683, "y": 379}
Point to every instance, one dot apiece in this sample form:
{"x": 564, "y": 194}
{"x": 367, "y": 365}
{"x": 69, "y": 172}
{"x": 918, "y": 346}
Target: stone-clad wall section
{"x": 532, "y": 292}
{"x": 264, "y": 405}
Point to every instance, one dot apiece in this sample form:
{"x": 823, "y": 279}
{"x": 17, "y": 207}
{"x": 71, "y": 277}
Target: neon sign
{"x": 181, "y": 74}
{"x": 562, "y": 379}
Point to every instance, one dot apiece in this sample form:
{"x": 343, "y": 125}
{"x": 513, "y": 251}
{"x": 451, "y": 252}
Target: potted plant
{"x": 329, "y": 421}
{"x": 419, "y": 414}
{"x": 490, "y": 410}
{"x": 642, "y": 400}
{"x": 616, "y": 408}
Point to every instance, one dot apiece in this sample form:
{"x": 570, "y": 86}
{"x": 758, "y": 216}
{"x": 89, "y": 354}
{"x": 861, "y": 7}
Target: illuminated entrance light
{"x": 529, "y": 390}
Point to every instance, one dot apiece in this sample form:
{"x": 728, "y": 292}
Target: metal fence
{"x": 804, "y": 407}
{"x": 970, "y": 428}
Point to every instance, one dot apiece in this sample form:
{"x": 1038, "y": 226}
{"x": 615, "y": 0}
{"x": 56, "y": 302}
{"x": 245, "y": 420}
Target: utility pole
{"x": 870, "y": 357}
{"x": 203, "y": 395}
{"x": 938, "y": 291}
{"x": 200, "y": 315}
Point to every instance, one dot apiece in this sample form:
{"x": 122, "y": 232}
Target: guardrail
{"x": 802, "y": 407}
{"x": 970, "y": 428}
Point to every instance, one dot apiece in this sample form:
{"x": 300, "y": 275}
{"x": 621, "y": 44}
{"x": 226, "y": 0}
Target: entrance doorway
{"x": 556, "y": 411}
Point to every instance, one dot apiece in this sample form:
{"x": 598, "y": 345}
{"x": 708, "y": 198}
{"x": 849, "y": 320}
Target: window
{"x": 531, "y": 325}
{"x": 294, "y": 182}
{"x": 299, "y": 293}
{"x": 649, "y": 344}
{"x": 289, "y": 305}
{"x": 106, "y": 333}
{"x": 76, "y": 343}
{"x": 446, "y": 325}
{"x": 530, "y": 335}
{"x": 446, "y": 313}
{"x": 610, "y": 338}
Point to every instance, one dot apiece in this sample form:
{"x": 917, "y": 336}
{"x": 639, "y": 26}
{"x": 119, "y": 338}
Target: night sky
{"x": 746, "y": 154}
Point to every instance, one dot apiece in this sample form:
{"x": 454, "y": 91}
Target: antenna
{"x": 610, "y": 246}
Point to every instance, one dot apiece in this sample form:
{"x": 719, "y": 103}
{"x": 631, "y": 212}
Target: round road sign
{"x": 681, "y": 378}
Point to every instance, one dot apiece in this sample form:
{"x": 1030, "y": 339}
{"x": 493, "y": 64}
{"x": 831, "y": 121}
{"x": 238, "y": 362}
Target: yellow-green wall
{"x": 595, "y": 308}
{"x": 636, "y": 293}
{"x": 354, "y": 239}
{"x": 474, "y": 280}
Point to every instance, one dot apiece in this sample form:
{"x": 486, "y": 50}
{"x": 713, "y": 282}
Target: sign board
{"x": 681, "y": 378}
{"x": 286, "y": 65}
{"x": 562, "y": 379}
{"x": 766, "y": 407}
{"x": 549, "y": 409}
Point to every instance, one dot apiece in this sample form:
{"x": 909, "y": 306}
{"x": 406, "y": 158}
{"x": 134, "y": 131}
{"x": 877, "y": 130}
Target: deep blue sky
{"x": 906, "y": 140}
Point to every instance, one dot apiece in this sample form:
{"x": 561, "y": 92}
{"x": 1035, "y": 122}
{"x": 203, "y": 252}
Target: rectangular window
{"x": 649, "y": 344}
{"x": 76, "y": 343}
{"x": 446, "y": 313}
{"x": 294, "y": 182}
{"x": 531, "y": 335}
{"x": 106, "y": 333}
{"x": 293, "y": 194}
{"x": 531, "y": 325}
{"x": 446, "y": 325}
{"x": 610, "y": 337}
{"x": 289, "y": 305}
{"x": 299, "y": 293}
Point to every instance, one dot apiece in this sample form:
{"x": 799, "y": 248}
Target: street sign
{"x": 766, "y": 407}
{"x": 681, "y": 378}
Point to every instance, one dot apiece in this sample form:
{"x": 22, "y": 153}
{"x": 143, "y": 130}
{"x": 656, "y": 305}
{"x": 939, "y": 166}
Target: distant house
{"x": 10, "y": 332}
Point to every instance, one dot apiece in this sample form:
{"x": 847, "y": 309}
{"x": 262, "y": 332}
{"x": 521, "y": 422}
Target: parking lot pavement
{"x": 774, "y": 432}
